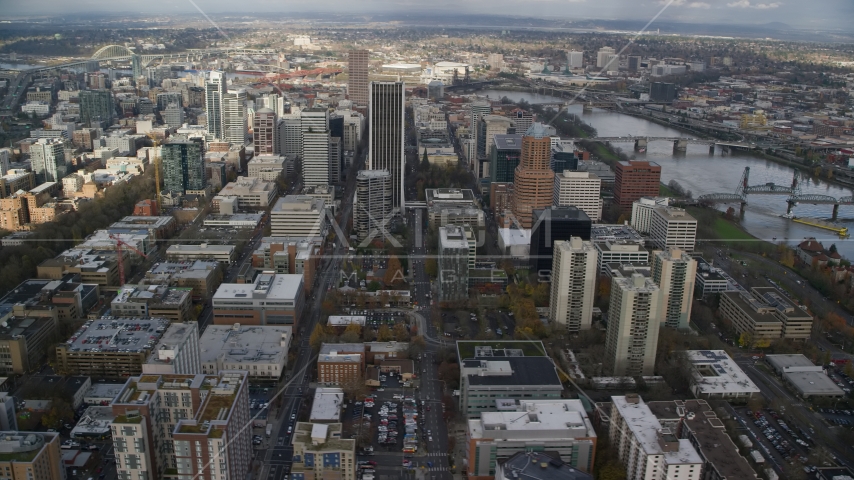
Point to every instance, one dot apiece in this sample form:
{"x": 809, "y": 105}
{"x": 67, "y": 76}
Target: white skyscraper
{"x": 290, "y": 135}
{"x": 634, "y": 318}
{"x": 672, "y": 227}
{"x": 234, "y": 117}
{"x": 48, "y": 160}
{"x": 386, "y": 115}
{"x": 573, "y": 284}
{"x": 315, "y": 146}
{"x": 575, "y": 59}
{"x": 603, "y": 57}
{"x": 214, "y": 90}
{"x": 675, "y": 273}
{"x": 579, "y": 189}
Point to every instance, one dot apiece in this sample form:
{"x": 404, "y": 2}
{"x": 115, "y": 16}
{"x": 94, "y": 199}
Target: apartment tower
{"x": 573, "y": 284}
{"x": 634, "y": 319}
{"x": 674, "y": 271}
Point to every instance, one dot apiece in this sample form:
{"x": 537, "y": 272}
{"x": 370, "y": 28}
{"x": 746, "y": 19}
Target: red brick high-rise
{"x": 635, "y": 179}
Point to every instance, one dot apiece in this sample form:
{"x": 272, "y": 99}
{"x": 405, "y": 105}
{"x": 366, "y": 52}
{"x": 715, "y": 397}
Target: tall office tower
{"x": 315, "y": 146}
{"x": 183, "y": 165}
{"x": 672, "y": 227}
{"x": 290, "y": 135}
{"x": 194, "y": 425}
{"x": 487, "y": 128}
{"x": 633, "y": 322}
{"x": 167, "y": 98}
{"x": 387, "y": 135}
{"x": 136, "y": 67}
{"x": 522, "y": 120}
{"x": 478, "y": 109}
{"x": 48, "y": 160}
{"x": 371, "y": 204}
{"x": 504, "y": 158}
{"x": 552, "y": 224}
{"x": 96, "y": 106}
{"x": 5, "y": 160}
{"x": 634, "y": 63}
{"x": 635, "y": 179}
{"x": 573, "y": 284}
{"x": 674, "y": 271}
{"x": 604, "y": 57}
{"x": 215, "y": 88}
{"x": 234, "y": 127}
{"x": 575, "y": 59}
{"x": 335, "y": 159}
{"x": 533, "y": 181}
{"x": 357, "y": 81}
{"x": 642, "y": 212}
{"x": 265, "y": 133}
{"x": 173, "y": 115}
{"x": 579, "y": 189}
{"x": 453, "y": 264}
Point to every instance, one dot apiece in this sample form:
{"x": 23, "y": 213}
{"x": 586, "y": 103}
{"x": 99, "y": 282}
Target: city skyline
{"x": 825, "y": 14}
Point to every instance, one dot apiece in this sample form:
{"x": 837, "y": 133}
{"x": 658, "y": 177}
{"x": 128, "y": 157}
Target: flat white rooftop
{"x": 249, "y": 344}
{"x": 327, "y": 405}
{"x": 645, "y": 427}
{"x": 715, "y": 372}
{"x": 269, "y": 286}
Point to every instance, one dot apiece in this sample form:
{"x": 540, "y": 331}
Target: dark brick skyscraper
{"x": 635, "y": 179}
{"x": 357, "y": 83}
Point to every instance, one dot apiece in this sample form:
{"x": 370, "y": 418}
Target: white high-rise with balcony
{"x": 581, "y": 190}
{"x": 573, "y": 284}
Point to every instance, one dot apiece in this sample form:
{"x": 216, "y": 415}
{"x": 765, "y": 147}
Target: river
{"x": 702, "y": 173}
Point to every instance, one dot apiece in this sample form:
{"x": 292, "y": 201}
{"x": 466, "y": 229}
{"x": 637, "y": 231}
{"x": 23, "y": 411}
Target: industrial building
{"x": 715, "y": 375}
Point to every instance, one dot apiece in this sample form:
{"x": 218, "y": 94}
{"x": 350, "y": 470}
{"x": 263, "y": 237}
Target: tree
{"x": 318, "y": 336}
{"x": 384, "y": 334}
{"x": 60, "y": 413}
{"x": 374, "y": 286}
{"x": 401, "y": 334}
{"x": 425, "y": 162}
{"x": 352, "y": 334}
{"x": 832, "y": 248}
{"x": 450, "y": 374}
{"x": 788, "y": 258}
{"x": 394, "y": 272}
{"x": 327, "y": 307}
{"x": 431, "y": 267}
{"x": 369, "y": 334}
{"x": 612, "y": 471}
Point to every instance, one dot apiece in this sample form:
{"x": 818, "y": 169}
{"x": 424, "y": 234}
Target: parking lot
{"x": 389, "y": 422}
{"x": 779, "y": 441}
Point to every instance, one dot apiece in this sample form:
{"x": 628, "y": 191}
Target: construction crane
{"x": 119, "y": 243}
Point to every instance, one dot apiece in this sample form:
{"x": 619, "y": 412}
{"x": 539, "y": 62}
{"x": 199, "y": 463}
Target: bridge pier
{"x": 712, "y": 149}
{"x": 835, "y": 211}
{"x": 680, "y": 146}
{"x": 789, "y": 206}
{"x": 587, "y": 108}
{"x": 641, "y": 143}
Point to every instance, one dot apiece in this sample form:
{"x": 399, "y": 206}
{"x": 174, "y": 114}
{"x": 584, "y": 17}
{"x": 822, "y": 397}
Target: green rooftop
{"x": 20, "y": 456}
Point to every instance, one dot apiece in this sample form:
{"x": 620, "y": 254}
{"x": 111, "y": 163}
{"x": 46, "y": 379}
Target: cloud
{"x": 747, "y": 4}
{"x": 684, "y": 3}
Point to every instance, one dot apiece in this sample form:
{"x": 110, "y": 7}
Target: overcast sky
{"x": 809, "y": 14}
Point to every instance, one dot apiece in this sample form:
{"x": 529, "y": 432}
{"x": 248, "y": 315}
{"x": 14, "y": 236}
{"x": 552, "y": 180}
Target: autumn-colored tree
{"x": 612, "y": 470}
{"x": 394, "y": 272}
{"x": 318, "y": 336}
{"x": 401, "y": 334}
{"x": 541, "y": 295}
{"x": 327, "y": 307}
{"x": 352, "y": 334}
{"x": 450, "y": 374}
{"x": 369, "y": 334}
{"x": 384, "y": 334}
{"x": 787, "y": 258}
{"x": 60, "y": 412}
{"x": 431, "y": 267}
